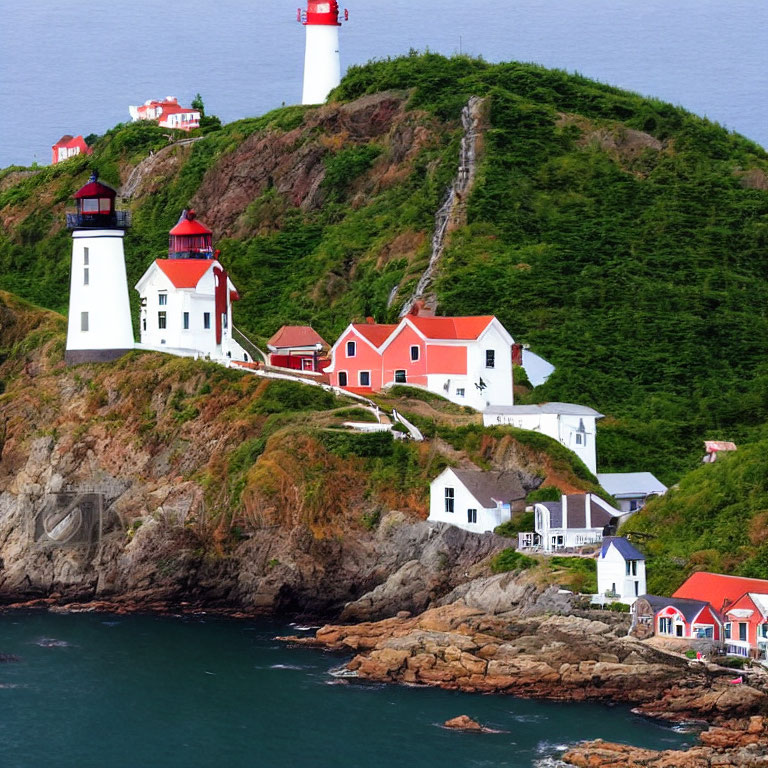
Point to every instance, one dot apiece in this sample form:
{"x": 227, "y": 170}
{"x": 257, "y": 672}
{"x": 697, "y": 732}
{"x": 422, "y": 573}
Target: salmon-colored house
{"x": 467, "y": 360}
{"x": 746, "y": 626}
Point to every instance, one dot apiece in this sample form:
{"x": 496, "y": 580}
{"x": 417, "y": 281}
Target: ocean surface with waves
{"x": 76, "y": 71}
{"x": 89, "y": 691}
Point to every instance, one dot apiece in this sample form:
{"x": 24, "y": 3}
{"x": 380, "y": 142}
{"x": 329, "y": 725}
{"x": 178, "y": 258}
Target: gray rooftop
{"x": 490, "y": 487}
{"x": 689, "y": 608}
{"x": 630, "y": 483}
{"x": 625, "y": 549}
{"x": 564, "y": 409}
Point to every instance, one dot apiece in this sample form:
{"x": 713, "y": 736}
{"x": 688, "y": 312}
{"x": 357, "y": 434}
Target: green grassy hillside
{"x": 622, "y": 237}
{"x": 716, "y": 520}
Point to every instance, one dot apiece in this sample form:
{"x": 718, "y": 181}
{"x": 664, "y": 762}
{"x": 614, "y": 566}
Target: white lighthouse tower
{"x": 322, "y": 67}
{"x": 99, "y": 327}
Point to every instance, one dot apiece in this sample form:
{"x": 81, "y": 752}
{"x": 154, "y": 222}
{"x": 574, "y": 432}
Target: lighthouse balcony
{"x": 114, "y": 220}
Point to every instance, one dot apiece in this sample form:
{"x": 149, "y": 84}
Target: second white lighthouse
{"x": 322, "y": 66}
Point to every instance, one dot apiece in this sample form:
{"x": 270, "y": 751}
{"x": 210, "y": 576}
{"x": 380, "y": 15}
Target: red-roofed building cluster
{"x": 729, "y": 611}
{"x": 168, "y": 113}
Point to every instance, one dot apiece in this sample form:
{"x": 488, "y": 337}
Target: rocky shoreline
{"x": 565, "y": 658}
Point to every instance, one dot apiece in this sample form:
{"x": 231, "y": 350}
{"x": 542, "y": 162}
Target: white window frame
{"x": 185, "y": 321}
{"x": 417, "y": 348}
{"x": 404, "y": 379}
{"x": 360, "y": 378}
{"x": 162, "y": 299}
{"x": 471, "y": 516}
{"x": 449, "y": 499}
{"x": 84, "y": 322}
{"x": 492, "y": 354}
{"x": 351, "y": 345}
{"x": 460, "y": 391}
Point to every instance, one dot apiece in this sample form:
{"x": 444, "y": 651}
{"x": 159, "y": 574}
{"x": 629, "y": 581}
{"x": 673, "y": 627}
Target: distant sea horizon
{"x": 76, "y": 73}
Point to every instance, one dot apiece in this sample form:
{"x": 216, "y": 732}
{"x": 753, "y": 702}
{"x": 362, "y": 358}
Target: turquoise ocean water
{"x": 92, "y": 691}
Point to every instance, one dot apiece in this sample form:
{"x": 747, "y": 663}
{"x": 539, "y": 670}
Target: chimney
{"x": 370, "y": 321}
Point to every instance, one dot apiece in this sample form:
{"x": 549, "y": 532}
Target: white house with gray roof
{"x": 574, "y": 521}
{"x": 620, "y": 571}
{"x": 631, "y": 489}
{"x": 474, "y": 500}
{"x": 573, "y": 426}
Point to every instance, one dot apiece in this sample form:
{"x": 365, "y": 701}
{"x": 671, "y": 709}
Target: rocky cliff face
{"x": 156, "y": 481}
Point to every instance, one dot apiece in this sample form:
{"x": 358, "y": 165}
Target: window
{"x": 460, "y": 392}
{"x": 83, "y": 321}
{"x": 449, "y": 500}
{"x": 143, "y": 323}
{"x": 224, "y": 320}
{"x": 105, "y": 206}
{"x": 679, "y": 630}
{"x": 162, "y": 299}
{"x": 365, "y": 378}
{"x": 400, "y": 377}
{"x": 471, "y": 515}
{"x": 579, "y": 438}
{"x": 634, "y": 505}
{"x": 351, "y": 348}
{"x": 728, "y": 631}
{"x": 490, "y": 358}
{"x": 85, "y": 257}
{"x": 743, "y": 631}
{"x": 631, "y": 567}
{"x": 85, "y": 276}
{"x": 185, "y": 321}
{"x": 90, "y": 206}
{"x": 637, "y": 589}
{"x": 206, "y": 320}
{"x": 665, "y": 626}
{"x": 414, "y": 352}
{"x": 161, "y": 320}
{"x": 704, "y": 633}
{"x": 342, "y": 378}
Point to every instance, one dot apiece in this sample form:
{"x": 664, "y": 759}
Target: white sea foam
{"x": 288, "y": 666}
{"x": 305, "y": 627}
{"x": 526, "y": 718}
{"x": 549, "y": 762}
{"x": 51, "y": 642}
{"x": 548, "y": 747}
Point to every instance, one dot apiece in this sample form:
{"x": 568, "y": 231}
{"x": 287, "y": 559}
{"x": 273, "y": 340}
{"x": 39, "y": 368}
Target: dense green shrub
{"x": 544, "y": 493}
{"x": 521, "y": 522}
{"x": 283, "y": 396}
{"x": 510, "y": 560}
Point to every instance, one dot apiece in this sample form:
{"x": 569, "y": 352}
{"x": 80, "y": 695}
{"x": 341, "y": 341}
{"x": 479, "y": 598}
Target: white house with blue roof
{"x": 620, "y": 571}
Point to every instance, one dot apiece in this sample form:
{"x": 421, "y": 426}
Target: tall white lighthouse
{"x": 322, "y": 67}
{"x": 99, "y": 327}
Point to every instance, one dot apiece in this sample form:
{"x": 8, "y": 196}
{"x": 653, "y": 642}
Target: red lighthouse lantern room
{"x": 190, "y": 239}
{"x": 95, "y": 204}
{"x": 321, "y": 12}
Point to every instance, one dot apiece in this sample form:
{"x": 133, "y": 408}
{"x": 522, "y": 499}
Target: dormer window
{"x": 351, "y": 348}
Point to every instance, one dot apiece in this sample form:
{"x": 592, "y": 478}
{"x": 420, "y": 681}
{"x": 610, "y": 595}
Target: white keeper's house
{"x": 620, "y": 571}
{"x": 186, "y": 299}
{"x": 574, "y": 426}
{"x": 474, "y": 500}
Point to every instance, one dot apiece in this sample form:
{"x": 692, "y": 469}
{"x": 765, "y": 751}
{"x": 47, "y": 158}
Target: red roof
{"x": 451, "y": 327}
{"x": 292, "y": 336}
{"x": 184, "y": 273}
{"x": 718, "y": 589}
{"x": 95, "y": 188}
{"x": 189, "y": 225}
{"x": 376, "y": 333}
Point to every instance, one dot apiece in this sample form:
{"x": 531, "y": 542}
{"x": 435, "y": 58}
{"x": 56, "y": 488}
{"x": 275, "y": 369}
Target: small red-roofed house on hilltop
{"x": 186, "y": 299}
{"x": 69, "y": 146}
{"x": 467, "y": 360}
{"x": 298, "y": 347}
{"x": 168, "y": 113}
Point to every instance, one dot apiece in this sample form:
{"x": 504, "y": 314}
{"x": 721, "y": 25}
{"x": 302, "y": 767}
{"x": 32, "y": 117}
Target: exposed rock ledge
{"x": 460, "y": 647}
